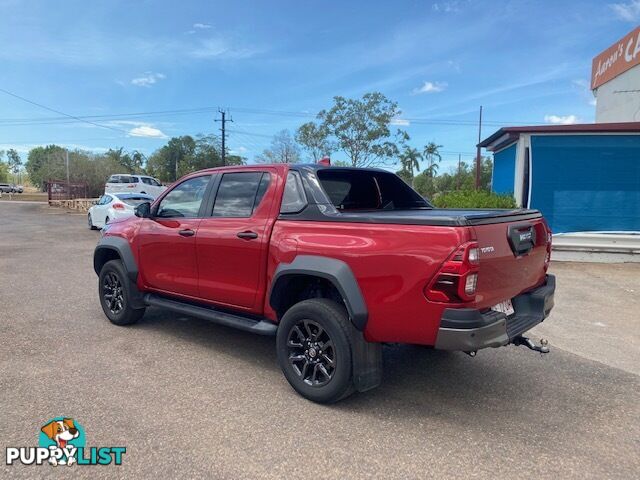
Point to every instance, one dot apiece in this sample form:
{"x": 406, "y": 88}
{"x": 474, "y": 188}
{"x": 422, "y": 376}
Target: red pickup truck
{"x": 333, "y": 262}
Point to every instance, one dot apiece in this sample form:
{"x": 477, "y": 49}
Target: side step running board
{"x": 261, "y": 327}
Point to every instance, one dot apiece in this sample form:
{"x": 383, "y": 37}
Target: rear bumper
{"x": 468, "y": 329}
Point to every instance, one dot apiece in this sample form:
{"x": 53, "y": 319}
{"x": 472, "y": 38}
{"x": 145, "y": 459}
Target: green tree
{"x": 361, "y": 128}
{"x": 410, "y": 161}
{"x": 431, "y": 154}
{"x": 172, "y": 160}
{"x": 314, "y": 139}
{"x": 283, "y": 149}
{"x": 4, "y": 172}
{"x": 185, "y": 154}
{"x": 45, "y": 163}
{"x": 425, "y": 185}
{"x": 131, "y": 162}
{"x": 14, "y": 162}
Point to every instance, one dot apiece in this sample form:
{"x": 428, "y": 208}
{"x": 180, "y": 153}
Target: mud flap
{"x": 367, "y": 362}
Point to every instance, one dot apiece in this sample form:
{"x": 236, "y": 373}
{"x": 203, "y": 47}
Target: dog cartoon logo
{"x": 65, "y": 434}
{"x": 62, "y": 441}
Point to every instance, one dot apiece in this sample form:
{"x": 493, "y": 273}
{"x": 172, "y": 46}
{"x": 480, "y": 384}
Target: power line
{"x": 61, "y": 113}
{"x": 208, "y": 109}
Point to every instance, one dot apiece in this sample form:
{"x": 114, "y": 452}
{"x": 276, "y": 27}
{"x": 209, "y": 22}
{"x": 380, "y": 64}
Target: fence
{"x": 62, "y": 190}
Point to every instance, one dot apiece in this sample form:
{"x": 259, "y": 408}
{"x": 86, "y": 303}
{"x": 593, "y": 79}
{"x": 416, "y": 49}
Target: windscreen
{"x": 135, "y": 201}
{"x": 368, "y": 190}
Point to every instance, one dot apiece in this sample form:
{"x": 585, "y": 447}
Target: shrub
{"x": 473, "y": 199}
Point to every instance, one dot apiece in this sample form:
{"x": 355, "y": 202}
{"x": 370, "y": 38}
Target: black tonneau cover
{"x": 435, "y": 216}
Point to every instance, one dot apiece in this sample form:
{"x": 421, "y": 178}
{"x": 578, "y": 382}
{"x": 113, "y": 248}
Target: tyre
{"x": 90, "y": 222}
{"x": 113, "y": 288}
{"x": 314, "y": 350}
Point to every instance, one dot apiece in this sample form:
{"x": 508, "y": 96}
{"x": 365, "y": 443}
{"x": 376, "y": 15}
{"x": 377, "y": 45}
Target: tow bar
{"x": 527, "y": 342}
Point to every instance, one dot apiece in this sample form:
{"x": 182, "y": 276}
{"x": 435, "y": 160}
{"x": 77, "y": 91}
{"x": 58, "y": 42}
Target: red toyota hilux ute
{"x": 332, "y": 261}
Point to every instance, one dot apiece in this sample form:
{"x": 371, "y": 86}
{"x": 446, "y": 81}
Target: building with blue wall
{"x": 582, "y": 177}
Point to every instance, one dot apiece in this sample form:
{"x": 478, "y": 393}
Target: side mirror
{"x": 143, "y": 210}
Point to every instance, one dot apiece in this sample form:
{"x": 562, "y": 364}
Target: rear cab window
{"x": 350, "y": 190}
{"x": 239, "y": 194}
{"x": 294, "y": 198}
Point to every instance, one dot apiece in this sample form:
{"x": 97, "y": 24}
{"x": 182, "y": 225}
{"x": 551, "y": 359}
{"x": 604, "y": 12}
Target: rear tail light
{"x": 457, "y": 279}
{"x": 118, "y": 206}
{"x": 470, "y": 284}
{"x": 547, "y": 258}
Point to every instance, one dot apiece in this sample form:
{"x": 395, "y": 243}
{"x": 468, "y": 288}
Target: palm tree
{"x": 410, "y": 160}
{"x": 431, "y": 154}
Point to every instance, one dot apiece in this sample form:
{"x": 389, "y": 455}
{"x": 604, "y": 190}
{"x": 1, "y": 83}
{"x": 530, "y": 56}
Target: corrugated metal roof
{"x": 511, "y": 134}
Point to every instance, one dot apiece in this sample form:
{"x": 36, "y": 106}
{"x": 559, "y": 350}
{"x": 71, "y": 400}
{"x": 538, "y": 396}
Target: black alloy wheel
{"x": 311, "y": 353}
{"x": 314, "y": 350}
{"x": 113, "y": 293}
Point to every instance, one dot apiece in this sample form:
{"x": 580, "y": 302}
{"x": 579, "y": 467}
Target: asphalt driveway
{"x": 191, "y": 399}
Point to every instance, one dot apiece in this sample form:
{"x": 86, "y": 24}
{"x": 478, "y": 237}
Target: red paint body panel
{"x": 391, "y": 263}
{"x": 166, "y": 260}
{"x": 232, "y": 270}
{"x": 502, "y": 275}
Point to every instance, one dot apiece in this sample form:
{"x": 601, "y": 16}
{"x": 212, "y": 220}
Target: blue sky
{"x": 275, "y": 64}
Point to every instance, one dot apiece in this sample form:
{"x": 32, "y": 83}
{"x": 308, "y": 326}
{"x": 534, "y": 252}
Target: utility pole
{"x": 459, "y": 167}
{"x": 223, "y": 120}
{"x": 478, "y": 158}
{"x": 66, "y": 152}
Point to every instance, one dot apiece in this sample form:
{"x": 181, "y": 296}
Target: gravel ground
{"x": 192, "y": 399}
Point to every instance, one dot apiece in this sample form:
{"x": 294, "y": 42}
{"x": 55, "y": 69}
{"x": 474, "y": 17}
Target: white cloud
{"x": 403, "y": 122}
{"x": 201, "y": 26}
{"x": 146, "y": 131}
{"x": 452, "y": 6}
{"x": 211, "y": 48}
{"x": 239, "y": 151}
{"x": 585, "y": 90}
{"x": 148, "y": 79}
{"x": 629, "y": 12}
{"x": 430, "y": 87}
{"x": 561, "y": 119}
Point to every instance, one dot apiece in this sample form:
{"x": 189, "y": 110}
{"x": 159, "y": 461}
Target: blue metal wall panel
{"x": 587, "y": 182}
{"x": 504, "y": 170}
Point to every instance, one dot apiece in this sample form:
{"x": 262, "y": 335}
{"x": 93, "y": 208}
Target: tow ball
{"x": 527, "y": 342}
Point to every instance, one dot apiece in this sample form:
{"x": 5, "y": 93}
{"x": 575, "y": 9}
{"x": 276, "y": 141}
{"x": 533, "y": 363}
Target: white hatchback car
{"x": 113, "y": 206}
{"x": 125, "y": 183}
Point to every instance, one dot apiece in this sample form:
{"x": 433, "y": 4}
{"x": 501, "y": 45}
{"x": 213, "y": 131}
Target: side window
{"x": 135, "y": 180}
{"x": 294, "y": 198}
{"x": 146, "y": 180}
{"x": 114, "y": 179}
{"x": 155, "y": 182}
{"x": 239, "y": 193}
{"x": 185, "y": 199}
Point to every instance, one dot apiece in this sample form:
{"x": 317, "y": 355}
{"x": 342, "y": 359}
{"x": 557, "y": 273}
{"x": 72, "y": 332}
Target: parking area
{"x": 192, "y": 399}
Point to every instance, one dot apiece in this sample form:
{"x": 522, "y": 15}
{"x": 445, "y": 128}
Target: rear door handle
{"x": 248, "y": 235}
{"x": 187, "y": 232}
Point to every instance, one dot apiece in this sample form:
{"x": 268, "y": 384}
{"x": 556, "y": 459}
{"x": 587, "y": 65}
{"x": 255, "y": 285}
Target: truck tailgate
{"x": 512, "y": 259}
